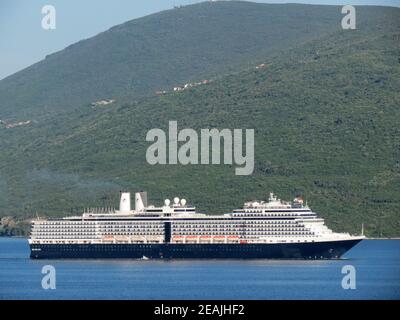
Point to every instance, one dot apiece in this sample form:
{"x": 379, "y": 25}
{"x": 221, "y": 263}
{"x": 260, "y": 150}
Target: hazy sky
{"x": 24, "y": 42}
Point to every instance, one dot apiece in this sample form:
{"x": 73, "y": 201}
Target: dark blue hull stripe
{"x": 310, "y": 250}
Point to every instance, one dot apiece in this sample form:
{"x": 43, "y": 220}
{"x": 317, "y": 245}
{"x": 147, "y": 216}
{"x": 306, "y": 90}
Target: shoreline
{"x": 14, "y": 237}
{"x": 392, "y": 238}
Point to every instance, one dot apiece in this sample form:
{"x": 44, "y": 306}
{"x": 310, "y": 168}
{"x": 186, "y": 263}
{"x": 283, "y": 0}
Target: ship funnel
{"x": 140, "y": 201}
{"x": 125, "y": 203}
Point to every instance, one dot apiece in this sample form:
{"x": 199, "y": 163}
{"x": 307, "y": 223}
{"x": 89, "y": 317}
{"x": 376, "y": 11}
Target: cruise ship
{"x": 272, "y": 229}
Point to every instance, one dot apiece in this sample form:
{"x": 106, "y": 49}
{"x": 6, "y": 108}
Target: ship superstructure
{"x": 270, "y": 229}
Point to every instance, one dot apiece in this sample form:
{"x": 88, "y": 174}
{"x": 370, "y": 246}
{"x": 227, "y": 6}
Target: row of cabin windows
{"x": 191, "y": 224}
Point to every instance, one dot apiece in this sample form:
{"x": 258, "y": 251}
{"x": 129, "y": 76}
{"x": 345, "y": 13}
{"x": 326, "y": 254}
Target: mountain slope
{"x": 156, "y": 52}
{"x": 326, "y": 119}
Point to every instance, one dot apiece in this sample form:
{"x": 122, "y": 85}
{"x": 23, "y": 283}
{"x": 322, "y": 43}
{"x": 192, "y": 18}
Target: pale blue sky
{"x": 23, "y": 41}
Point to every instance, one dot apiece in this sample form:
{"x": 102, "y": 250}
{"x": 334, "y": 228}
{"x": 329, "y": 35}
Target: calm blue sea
{"x": 377, "y": 265}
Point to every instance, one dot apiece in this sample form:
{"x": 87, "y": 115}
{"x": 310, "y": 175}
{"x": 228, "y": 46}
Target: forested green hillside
{"x": 326, "y": 118}
{"x": 157, "y": 52}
